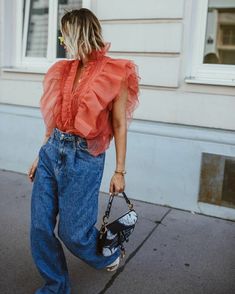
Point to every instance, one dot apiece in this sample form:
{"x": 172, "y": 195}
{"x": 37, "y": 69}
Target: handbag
{"x": 113, "y": 235}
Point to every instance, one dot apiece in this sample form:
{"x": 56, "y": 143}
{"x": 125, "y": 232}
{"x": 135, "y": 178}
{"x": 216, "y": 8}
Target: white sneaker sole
{"x": 114, "y": 265}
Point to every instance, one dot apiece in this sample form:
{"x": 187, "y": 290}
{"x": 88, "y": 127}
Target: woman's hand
{"x": 32, "y": 170}
{"x": 117, "y": 184}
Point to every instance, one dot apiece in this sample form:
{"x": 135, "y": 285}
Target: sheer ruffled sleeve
{"x": 51, "y": 91}
{"x": 129, "y": 86}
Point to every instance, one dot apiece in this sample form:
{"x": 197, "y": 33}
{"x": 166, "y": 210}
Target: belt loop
{"x": 76, "y": 140}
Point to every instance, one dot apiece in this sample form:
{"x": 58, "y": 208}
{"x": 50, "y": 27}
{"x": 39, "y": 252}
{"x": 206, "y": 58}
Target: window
{"x": 36, "y": 28}
{"x": 212, "y": 59}
{"x": 38, "y": 35}
{"x": 220, "y": 35}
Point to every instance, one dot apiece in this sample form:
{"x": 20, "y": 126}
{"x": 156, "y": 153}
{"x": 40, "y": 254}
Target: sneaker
{"x": 114, "y": 265}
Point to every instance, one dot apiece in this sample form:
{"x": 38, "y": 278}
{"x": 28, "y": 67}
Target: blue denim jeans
{"x": 66, "y": 183}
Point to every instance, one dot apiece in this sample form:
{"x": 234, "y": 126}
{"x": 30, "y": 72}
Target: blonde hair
{"x": 82, "y": 32}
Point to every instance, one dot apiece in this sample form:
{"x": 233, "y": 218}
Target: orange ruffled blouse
{"x": 86, "y": 110}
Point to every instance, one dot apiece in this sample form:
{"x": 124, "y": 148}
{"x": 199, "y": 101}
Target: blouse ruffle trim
{"x": 117, "y": 76}
{"x": 51, "y": 92}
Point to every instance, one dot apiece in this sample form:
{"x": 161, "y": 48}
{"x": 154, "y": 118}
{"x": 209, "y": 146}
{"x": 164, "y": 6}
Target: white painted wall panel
{"x": 144, "y": 37}
{"x": 138, "y": 9}
{"x": 20, "y": 92}
{"x": 177, "y": 107}
{"x": 157, "y": 70}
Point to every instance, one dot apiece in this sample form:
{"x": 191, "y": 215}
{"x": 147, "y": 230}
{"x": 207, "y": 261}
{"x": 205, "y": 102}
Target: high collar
{"x": 97, "y": 54}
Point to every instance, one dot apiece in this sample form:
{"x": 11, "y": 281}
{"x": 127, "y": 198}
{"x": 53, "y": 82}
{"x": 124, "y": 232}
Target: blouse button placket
{"x": 83, "y": 74}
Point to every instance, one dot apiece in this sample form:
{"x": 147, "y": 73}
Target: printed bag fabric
{"x": 117, "y": 232}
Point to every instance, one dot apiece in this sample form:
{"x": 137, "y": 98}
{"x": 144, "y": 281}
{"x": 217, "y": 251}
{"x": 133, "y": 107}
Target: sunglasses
{"x": 61, "y": 38}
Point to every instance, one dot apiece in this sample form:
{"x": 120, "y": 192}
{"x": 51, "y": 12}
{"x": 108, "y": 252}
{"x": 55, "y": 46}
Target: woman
{"x": 86, "y": 102}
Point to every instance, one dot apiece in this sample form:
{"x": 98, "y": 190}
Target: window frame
{"x": 40, "y": 64}
{"x": 197, "y": 71}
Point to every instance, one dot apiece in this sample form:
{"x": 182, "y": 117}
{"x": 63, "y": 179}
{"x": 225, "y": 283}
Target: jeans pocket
{"x": 44, "y": 147}
{"x": 41, "y": 150}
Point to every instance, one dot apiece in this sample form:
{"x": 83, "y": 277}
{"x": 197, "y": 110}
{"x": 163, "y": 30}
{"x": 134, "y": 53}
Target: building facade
{"x": 181, "y": 143}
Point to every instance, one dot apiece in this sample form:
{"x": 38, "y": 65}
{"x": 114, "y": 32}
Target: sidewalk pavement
{"x": 170, "y": 252}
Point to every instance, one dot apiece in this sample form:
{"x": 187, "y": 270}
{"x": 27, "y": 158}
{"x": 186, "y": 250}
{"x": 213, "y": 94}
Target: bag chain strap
{"x": 108, "y": 209}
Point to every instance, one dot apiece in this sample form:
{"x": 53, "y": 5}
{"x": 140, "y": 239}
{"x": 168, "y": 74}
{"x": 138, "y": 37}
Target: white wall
{"x": 175, "y": 121}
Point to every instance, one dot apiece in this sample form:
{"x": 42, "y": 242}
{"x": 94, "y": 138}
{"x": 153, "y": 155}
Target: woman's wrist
{"x": 122, "y": 172}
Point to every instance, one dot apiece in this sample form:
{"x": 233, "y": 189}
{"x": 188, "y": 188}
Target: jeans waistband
{"x": 60, "y": 135}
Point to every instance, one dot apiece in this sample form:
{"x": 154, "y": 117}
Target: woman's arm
{"x": 117, "y": 183}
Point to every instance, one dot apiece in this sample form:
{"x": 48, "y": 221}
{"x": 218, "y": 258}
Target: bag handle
{"x": 108, "y": 209}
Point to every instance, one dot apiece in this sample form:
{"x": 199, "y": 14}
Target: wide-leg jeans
{"x": 66, "y": 183}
